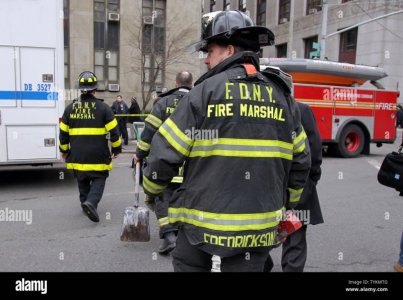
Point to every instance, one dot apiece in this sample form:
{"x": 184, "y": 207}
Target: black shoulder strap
{"x": 280, "y": 77}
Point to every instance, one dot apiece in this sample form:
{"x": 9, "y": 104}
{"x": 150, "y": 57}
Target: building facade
{"x": 135, "y": 47}
{"x": 297, "y": 27}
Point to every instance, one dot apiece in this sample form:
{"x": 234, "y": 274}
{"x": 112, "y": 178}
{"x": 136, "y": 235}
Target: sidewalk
{"x": 130, "y": 148}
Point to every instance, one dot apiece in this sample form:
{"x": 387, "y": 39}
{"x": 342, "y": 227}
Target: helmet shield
{"x": 87, "y": 81}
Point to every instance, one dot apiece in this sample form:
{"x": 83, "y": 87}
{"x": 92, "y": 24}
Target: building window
{"x": 313, "y": 6}
{"x": 348, "y": 46}
{"x": 261, "y": 13}
{"x": 227, "y": 5}
{"x": 106, "y": 42}
{"x": 345, "y": 1}
{"x": 212, "y": 5}
{"x": 66, "y": 28}
{"x": 281, "y": 50}
{"x": 308, "y": 42}
{"x": 153, "y": 43}
{"x": 242, "y": 5}
{"x": 284, "y": 11}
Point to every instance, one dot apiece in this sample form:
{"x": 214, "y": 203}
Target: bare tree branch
{"x": 149, "y": 61}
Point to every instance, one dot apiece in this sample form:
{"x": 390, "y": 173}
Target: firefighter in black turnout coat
{"x": 246, "y": 154}
{"x": 162, "y": 109}
{"x": 87, "y": 125}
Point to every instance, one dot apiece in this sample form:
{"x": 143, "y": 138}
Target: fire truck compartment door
{"x": 25, "y": 142}
{"x": 37, "y": 77}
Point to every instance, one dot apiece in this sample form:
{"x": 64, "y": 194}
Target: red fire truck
{"x": 349, "y": 117}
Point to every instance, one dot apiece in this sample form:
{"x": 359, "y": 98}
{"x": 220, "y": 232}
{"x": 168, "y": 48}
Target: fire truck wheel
{"x": 352, "y": 141}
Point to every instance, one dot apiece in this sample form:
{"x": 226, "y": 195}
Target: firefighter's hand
{"x": 64, "y": 156}
{"x": 150, "y": 202}
{"x": 114, "y": 155}
{"x": 136, "y": 159}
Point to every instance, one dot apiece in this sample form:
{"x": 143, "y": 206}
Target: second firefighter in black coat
{"x": 295, "y": 247}
{"x": 163, "y": 108}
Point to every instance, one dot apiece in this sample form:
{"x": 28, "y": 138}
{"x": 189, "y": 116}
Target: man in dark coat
{"x": 119, "y": 107}
{"x": 295, "y": 247}
{"x": 134, "y": 109}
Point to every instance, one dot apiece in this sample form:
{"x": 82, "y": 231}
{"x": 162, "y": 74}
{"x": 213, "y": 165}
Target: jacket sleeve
{"x": 315, "y": 141}
{"x": 170, "y": 147}
{"x": 64, "y": 137}
{"x": 111, "y": 125}
{"x": 301, "y": 162}
{"x": 152, "y": 123}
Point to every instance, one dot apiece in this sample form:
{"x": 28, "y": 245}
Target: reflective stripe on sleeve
{"x": 117, "y": 144}
{"x": 175, "y": 137}
{"x": 64, "y": 147}
{"x": 152, "y": 187}
{"x": 295, "y": 194}
{"x": 144, "y": 146}
{"x": 153, "y": 120}
{"x": 163, "y": 221}
{"x": 112, "y": 124}
{"x": 64, "y": 127}
{"x": 299, "y": 142}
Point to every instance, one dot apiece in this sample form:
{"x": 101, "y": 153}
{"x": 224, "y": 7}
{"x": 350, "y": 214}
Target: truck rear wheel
{"x": 352, "y": 141}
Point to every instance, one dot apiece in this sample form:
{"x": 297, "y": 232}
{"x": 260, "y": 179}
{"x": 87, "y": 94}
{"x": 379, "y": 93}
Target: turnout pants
{"x": 189, "y": 258}
{"x": 294, "y": 253}
{"x": 123, "y": 130}
{"x": 161, "y": 210}
{"x": 91, "y": 186}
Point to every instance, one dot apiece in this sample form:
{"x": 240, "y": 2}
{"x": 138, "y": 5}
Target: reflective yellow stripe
{"x": 89, "y": 167}
{"x": 299, "y": 142}
{"x": 225, "y": 222}
{"x": 64, "y": 147}
{"x": 64, "y": 127}
{"x": 175, "y": 137}
{"x": 144, "y": 146}
{"x": 152, "y": 187}
{"x": 87, "y": 131}
{"x": 116, "y": 144}
{"x": 153, "y": 120}
{"x": 180, "y": 173}
{"x": 163, "y": 221}
{"x": 177, "y": 179}
{"x": 300, "y": 148}
{"x": 112, "y": 124}
{"x": 295, "y": 195}
{"x": 242, "y": 148}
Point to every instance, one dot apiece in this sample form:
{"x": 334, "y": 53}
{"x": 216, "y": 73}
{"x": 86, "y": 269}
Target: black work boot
{"x": 168, "y": 243}
{"x": 91, "y": 211}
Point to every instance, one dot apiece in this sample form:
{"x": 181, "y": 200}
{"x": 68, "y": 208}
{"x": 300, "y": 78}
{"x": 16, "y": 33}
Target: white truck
{"x": 31, "y": 81}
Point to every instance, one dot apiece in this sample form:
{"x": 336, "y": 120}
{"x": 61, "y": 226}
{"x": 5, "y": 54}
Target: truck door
{"x": 385, "y": 116}
{"x": 31, "y": 134}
